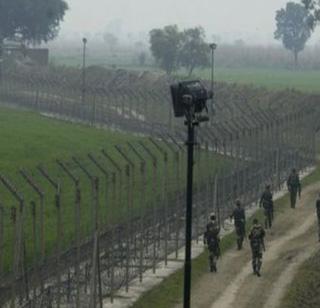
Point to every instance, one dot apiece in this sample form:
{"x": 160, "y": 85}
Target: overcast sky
{"x": 251, "y": 20}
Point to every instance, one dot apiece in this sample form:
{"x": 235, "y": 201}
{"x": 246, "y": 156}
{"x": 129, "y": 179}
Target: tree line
{"x": 173, "y": 49}
{"x": 36, "y": 21}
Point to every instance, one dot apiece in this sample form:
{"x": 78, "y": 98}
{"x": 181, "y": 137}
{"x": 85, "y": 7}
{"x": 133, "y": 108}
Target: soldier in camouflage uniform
{"x": 294, "y": 187}
{"x": 256, "y": 237}
{"x": 266, "y": 201}
{"x": 318, "y": 214}
{"x": 239, "y": 217}
{"x": 212, "y": 240}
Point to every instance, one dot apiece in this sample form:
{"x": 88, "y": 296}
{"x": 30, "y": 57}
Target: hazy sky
{"x": 230, "y": 19}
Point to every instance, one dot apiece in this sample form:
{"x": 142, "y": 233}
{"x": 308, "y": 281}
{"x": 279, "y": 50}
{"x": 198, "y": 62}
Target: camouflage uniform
{"x": 212, "y": 240}
{"x": 256, "y": 237}
{"x": 318, "y": 215}
{"x": 294, "y": 188}
{"x": 240, "y": 225}
{"x": 267, "y": 203}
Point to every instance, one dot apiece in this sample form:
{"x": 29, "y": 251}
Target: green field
{"x": 28, "y": 139}
{"x": 304, "y": 80}
{"x": 272, "y": 78}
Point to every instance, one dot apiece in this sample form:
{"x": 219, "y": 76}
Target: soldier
{"x": 256, "y": 237}
{"x": 294, "y": 187}
{"x": 318, "y": 214}
{"x": 239, "y": 217}
{"x": 267, "y": 203}
{"x": 212, "y": 240}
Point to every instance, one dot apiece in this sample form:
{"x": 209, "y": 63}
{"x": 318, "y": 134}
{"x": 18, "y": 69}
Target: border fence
{"x": 75, "y": 232}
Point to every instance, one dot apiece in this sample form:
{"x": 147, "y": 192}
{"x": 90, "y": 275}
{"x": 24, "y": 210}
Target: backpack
{"x": 212, "y": 233}
{"x": 256, "y": 234}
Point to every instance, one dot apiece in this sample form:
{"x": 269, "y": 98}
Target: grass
{"x": 29, "y": 139}
{"x": 304, "y": 292}
{"x": 304, "y": 80}
{"x": 169, "y": 292}
{"x": 272, "y": 78}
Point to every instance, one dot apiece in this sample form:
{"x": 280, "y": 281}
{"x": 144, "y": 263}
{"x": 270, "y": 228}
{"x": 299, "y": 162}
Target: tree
{"x": 165, "y": 47}
{"x": 293, "y": 28}
{"x": 313, "y": 7}
{"x": 111, "y": 40}
{"x": 194, "y": 50}
{"x": 33, "y": 20}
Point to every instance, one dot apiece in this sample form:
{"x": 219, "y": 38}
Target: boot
{"x": 239, "y": 243}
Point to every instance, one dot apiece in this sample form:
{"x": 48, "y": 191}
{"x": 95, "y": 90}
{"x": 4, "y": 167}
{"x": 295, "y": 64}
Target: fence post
{"x": 57, "y": 201}
{"x": 96, "y": 250}
{"x": 1, "y": 238}
{"x": 142, "y": 206}
{"x": 129, "y": 167}
{"x": 154, "y": 190}
{"x": 95, "y": 232}
{"x": 179, "y": 149}
{"x": 77, "y": 219}
{"x": 165, "y": 192}
{"x": 35, "y": 248}
{"x": 119, "y": 170}
{"x": 31, "y": 182}
{"x": 19, "y": 252}
{"x": 106, "y": 175}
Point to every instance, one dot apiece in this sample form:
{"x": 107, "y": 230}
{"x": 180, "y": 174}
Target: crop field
{"x": 29, "y": 140}
{"x": 303, "y": 80}
{"x": 272, "y": 78}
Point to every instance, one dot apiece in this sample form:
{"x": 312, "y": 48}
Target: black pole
{"x": 212, "y": 69}
{"x": 84, "y": 41}
{"x": 1, "y": 59}
{"x": 187, "y": 264}
{"x": 213, "y": 47}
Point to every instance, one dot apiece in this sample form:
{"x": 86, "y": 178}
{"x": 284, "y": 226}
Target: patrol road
{"x": 292, "y": 240}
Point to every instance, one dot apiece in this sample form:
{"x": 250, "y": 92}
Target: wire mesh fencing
{"x": 74, "y": 232}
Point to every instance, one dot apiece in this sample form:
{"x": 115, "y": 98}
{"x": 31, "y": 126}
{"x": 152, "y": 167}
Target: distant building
{"x": 19, "y": 51}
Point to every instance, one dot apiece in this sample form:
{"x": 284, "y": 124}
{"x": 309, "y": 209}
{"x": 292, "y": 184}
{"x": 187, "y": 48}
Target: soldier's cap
{"x": 212, "y": 216}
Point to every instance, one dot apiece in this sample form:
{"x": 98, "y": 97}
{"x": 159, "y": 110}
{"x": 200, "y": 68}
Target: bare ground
{"x": 292, "y": 240}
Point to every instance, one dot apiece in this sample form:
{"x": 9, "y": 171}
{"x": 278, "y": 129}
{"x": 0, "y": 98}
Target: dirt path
{"x": 292, "y": 240}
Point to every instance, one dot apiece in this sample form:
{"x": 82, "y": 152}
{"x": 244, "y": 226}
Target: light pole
{"x": 1, "y": 59}
{"x": 213, "y": 47}
{"x": 189, "y": 100}
{"x": 84, "y": 41}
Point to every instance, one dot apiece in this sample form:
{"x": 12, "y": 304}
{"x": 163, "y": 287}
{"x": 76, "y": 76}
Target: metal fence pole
{"x": 2, "y": 235}
{"x": 130, "y": 168}
{"x": 19, "y": 252}
{"x": 57, "y": 201}
{"x": 165, "y": 192}
{"x": 154, "y": 211}
{"x": 77, "y": 230}
{"x": 142, "y": 207}
{"x": 35, "y": 186}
